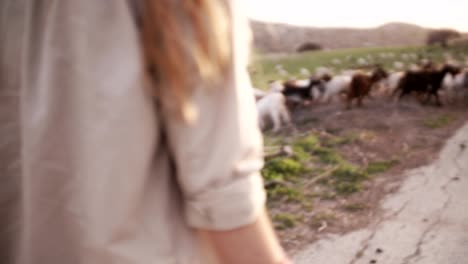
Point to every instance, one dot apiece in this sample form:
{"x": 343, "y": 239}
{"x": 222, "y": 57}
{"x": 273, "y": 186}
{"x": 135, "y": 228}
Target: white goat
{"x": 392, "y": 81}
{"x": 272, "y": 107}
{"x": 335, "y": 86}
{"x": 259, "y": 94}
{"x": 302, "y": 82}
{"x": 276, "y": 86}
{"x": 455, "y": 85}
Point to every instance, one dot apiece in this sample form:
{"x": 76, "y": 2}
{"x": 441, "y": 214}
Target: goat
{"x": 426, "y": 82}
{"x": 361, "y": 85}
{"x": 427, "y": 65}
{"x": 302, "y": 89}
{"x": 455, "y": 85}
{"x": 276, "y": 86}
{"x": 321, "y": 71}
{"x": 259, "y": 94}
{"x": 335, "y": 86}
{"x": 392, "y": 81}
{"x": 272, "y": 107}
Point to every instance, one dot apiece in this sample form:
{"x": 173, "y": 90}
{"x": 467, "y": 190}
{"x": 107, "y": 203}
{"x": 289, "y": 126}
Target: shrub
{"x": 441, "y": 37}
{"x": 309, "y": 46}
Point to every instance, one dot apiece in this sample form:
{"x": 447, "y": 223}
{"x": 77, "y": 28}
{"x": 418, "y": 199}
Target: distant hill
{"x": 280, "y": 38}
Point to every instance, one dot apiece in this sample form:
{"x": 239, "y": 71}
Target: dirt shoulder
{"x": 346, "y": 162}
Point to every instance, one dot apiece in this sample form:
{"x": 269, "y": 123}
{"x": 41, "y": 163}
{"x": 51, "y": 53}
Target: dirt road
{"x": 425, "y": 222}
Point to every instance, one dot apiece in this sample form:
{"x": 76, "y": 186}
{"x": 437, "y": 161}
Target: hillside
{"x": 274, "y": 37}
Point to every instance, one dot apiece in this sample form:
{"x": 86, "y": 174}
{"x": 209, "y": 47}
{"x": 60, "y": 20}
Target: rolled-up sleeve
{"x": 219, "y": 156}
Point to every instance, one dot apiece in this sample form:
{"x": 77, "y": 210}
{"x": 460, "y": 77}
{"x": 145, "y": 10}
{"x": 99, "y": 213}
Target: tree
{"x": 441, "y": 37}
{"x": 308, "y": 46}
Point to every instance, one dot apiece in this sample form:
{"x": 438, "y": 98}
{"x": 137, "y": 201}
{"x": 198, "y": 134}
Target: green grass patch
{"x": 339, "y": 141}
{"x": 380, "y": 166}
{"x": 303, "y": 146}
{"x": 285, "y": 220}
{"x": 300, "y": 154}
{"x": 307, "y": 143}
{"x": 282, "y": 169}
{"x": 346, "y": 188}
{"x": 289, "y": 193}
{"x": 328, "y": 155}
{"x": 350, "y": 173}
{"x": 438, "y": 122}
{"x": 348, "y": 179}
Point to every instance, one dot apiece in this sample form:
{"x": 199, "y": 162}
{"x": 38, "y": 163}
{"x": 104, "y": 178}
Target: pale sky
{"x": 362, "y": 13}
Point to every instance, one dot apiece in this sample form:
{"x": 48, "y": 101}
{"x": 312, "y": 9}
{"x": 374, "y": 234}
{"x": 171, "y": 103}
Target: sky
{"x": 362, "y": 13}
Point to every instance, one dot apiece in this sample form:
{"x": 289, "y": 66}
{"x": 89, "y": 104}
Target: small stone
{"x": 455, "y": 178}
{"x": 373, "y": 261}
{"x": 378, "y": 251}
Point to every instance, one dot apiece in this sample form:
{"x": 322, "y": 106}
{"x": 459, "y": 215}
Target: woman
{"x": 129, "y": 135}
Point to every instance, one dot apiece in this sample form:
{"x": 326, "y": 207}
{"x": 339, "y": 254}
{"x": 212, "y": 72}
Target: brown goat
{"x": 426, "y": 82}
{"x": 361, "y": 85}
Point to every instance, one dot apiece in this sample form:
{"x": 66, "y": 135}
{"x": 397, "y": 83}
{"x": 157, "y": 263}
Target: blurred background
{"x": 330, "y": 169}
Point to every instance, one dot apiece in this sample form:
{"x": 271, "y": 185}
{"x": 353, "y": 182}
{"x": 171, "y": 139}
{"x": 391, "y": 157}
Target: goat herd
{"x": 427, "y": 81}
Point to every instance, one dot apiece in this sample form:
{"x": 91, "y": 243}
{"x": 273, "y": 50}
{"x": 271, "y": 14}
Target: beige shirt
{"x": 85, "y": 176}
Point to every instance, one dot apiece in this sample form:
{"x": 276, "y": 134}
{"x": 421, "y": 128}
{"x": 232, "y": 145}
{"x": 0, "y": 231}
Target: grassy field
{"x": 263, "y": 67}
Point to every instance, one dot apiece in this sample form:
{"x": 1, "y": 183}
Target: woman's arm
{"x": 218, "y": 160}
{"x": 254, "y": 243}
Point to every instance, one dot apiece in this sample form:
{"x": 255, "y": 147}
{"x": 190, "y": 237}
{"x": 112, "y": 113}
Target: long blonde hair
{"x": 185, "y": 40}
